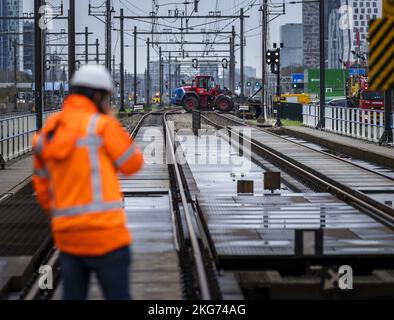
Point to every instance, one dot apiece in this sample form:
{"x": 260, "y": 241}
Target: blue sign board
{"x": 357, "y": 72}
{"x": 297, "y": 78}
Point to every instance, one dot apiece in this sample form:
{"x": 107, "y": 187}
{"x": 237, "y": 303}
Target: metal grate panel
{"x": 256, "y": 228}
{"x": 24, "y": 228}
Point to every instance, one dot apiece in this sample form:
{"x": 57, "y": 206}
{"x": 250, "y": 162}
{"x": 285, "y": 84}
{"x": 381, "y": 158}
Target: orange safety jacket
{"x": 76, "y": 158}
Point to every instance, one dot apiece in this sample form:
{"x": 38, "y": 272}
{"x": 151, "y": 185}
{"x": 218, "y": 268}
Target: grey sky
{"x": 132, "y": 7}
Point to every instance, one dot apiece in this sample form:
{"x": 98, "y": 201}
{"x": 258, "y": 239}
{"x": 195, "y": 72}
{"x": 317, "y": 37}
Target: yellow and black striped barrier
{"x": 381, "y": 54}
{"x": 388, "y": 7}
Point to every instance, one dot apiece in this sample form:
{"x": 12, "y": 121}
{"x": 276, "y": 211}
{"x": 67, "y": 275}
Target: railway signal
{"x": 269, "y": 57}
{"x": 273, "y": 60}
{"x": 277, "y": 57}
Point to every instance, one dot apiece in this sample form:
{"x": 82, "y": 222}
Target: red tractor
{"x": 202, "y": 94}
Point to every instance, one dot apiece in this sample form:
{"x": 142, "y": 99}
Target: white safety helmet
{"x": 93, "y": 76}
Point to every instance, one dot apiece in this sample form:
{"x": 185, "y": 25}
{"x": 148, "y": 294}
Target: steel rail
{"x": 308, "y": 147}
{"x": 202, "y": 277}
{"x": 368, "y": 205}
{"x": 34, "y": 291}
{"x": 201, "y": 273}
{"x": 139, "y": 123}
{"x": 143, "y": 118}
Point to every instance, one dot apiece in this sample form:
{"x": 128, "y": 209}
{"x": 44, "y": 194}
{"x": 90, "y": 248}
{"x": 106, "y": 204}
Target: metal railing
{"x": 357, "y": 123}
{"x": 16, "y": 134}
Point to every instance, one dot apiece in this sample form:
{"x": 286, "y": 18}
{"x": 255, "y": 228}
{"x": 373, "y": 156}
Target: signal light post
{"x": 273, "y": 60}
{"x": 38, "y": 64}
{"x": 71, "y": 40}
{"x": 322, "y": 58}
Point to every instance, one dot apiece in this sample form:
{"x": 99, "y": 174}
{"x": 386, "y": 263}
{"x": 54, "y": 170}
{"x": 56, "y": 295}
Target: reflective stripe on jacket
{"x": 76, "y": 158}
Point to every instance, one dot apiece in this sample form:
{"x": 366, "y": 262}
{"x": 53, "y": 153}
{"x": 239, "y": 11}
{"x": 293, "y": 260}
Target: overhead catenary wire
{"x": 157, "y": 22}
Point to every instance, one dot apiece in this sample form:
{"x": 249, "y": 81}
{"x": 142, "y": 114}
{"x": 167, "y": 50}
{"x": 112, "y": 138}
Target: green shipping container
{"x": 335, "y": 82}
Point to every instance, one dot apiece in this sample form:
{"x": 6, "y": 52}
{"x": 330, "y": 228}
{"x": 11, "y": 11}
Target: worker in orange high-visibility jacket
{"x": 77, "y": 155}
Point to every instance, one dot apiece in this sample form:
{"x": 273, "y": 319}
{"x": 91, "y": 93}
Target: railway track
{"x": 360, "y": 186}
{"x": 251, "y": 235}
{"x": 186, "y": 227}
{"x": 195, "y": 234}
{"x": 193, "y": 261}
{"x": 170, "y": 231}
{"x": 32, "y": 291}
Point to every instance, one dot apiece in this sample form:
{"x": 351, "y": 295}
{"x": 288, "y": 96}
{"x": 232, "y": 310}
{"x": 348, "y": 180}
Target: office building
{"x": 11, "y": 31}
{"x": 28, "y": 52}
{"x": 356, "y": 36}
{"x": 291, "y": 35}
{"x": 311, "y": 39}
{"x": 346, "y": 30}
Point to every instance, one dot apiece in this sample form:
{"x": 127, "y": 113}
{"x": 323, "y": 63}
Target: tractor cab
{"x": 204, "y": 82}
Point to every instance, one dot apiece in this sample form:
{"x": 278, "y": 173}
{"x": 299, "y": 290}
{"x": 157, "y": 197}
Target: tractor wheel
{"x": 190, "y": 103}
{"x": 224, "y": 104}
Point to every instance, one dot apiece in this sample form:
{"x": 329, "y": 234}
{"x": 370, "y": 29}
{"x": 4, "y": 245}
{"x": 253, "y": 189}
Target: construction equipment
{"x": 156, "y": 98}
{"x": 203, "y": 93}
{"x": 302, "y": 98}
{"x": 360, "y": 96}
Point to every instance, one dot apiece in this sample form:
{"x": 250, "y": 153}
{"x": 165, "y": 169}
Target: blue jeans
{"x": 112, "y": 272}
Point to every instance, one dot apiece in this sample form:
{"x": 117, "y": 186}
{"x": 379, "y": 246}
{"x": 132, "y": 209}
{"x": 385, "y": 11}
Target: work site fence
{"x": 16, "y": 134}
{"x": 356, "y": 123}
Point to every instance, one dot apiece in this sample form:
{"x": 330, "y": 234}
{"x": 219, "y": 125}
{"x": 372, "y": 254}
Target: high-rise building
{"x": 356, "y": 36}
{"x": 334, "y": 35}
{"x": 292, "y": 39}
{"x": 346, "y": 23}
{"x": 12, "y": 32}
{"x": 3, "y": 40}
{"x": 311, "y": 33}
{"x": 28, "y": 52}
{"x": 310, "y": 23}
{"x": 335, "y": 56}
